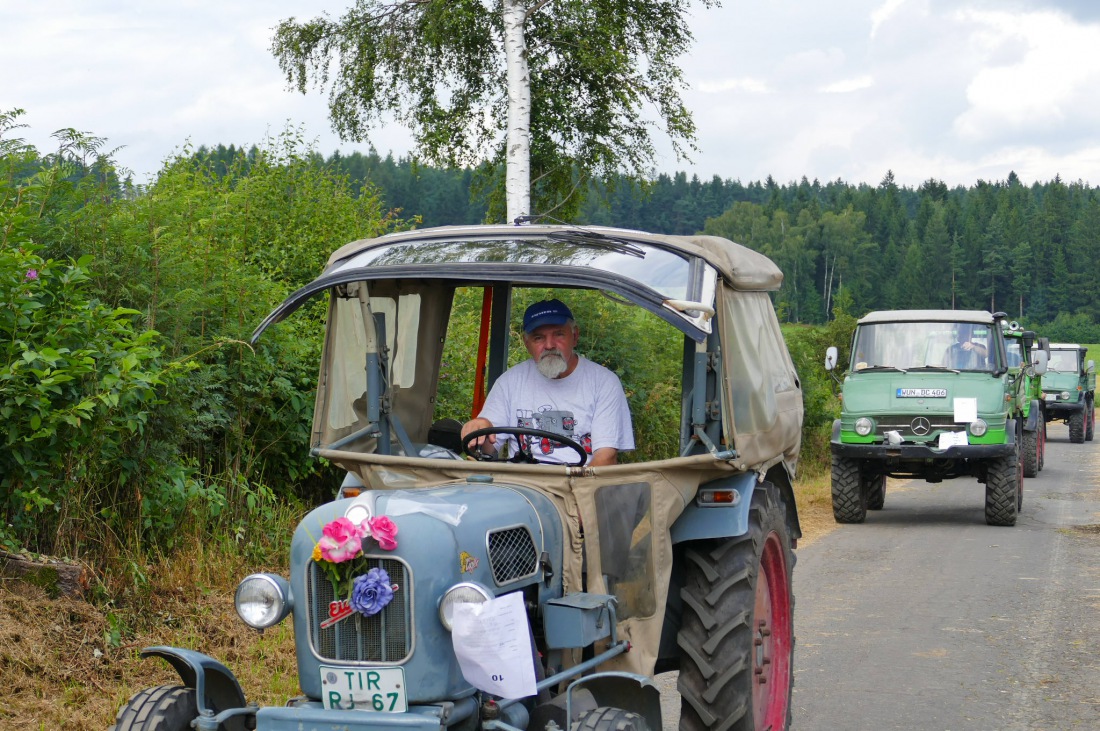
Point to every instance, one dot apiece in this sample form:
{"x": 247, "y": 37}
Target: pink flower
{"x": 32, "y": 274}
{"x": 342, "y": 541}
{"x": 383, "y": 530}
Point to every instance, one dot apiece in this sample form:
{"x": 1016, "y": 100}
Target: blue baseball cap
{"x": 547, "y": 312}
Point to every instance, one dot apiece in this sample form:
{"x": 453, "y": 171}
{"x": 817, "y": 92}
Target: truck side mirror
{"x": 1091, "y": 366}
{"x": 1039, "y": 362}
{"x": 830, "y": 358}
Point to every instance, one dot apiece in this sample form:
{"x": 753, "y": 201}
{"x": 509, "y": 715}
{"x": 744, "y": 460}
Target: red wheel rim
{"x": 772, "y": 638}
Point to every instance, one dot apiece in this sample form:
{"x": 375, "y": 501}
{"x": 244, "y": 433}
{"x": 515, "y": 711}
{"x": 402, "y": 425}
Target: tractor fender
{"x": 616, "y": 689}
{"x": 216, "y": 688}
{"x": 717, "y": 521}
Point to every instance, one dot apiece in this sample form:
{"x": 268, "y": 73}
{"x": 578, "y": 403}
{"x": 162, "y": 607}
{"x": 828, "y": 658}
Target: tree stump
{"x": 56, "y": 577}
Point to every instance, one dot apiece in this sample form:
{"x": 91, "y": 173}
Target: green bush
{"x": 79, "y": 383}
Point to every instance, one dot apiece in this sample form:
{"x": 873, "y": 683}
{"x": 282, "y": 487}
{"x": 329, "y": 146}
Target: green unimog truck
{"x": 928, "y": 394}
{"x": 1069, "y": 390}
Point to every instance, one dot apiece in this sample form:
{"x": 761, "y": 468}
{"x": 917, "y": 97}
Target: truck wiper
{"x": 934, "y": 368}
{"x": 881, "y": 368}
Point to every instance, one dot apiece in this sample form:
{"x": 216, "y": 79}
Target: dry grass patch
{"x": 71, "y": 664}
{"x": 814, "y": 498}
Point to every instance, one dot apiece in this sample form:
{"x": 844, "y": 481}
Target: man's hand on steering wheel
{"x": 524, "y": 453}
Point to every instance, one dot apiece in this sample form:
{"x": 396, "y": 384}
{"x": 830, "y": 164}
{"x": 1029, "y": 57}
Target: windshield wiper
{"x": 598, "y": 241}
{"x": 881, "y": 368}
{"x": 934, "y": 368}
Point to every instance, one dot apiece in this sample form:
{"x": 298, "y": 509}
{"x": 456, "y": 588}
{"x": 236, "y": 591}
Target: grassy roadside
{"x": 71, "y": 664}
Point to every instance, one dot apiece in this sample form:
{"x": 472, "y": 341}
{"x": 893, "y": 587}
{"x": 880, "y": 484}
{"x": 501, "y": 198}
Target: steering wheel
{"x": 523, "y": 454}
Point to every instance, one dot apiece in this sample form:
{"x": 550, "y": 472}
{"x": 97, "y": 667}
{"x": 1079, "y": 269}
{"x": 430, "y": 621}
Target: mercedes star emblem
{"x": 921, "y": 426}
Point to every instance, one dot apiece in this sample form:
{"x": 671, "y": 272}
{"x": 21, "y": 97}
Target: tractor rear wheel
{"x": 737, "y": 637}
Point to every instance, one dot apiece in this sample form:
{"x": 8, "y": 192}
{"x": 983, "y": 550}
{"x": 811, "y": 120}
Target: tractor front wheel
{"x": 163, "y": 708}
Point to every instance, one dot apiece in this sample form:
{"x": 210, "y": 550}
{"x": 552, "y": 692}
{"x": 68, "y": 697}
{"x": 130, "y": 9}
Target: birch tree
{"x": 543, "y": 94}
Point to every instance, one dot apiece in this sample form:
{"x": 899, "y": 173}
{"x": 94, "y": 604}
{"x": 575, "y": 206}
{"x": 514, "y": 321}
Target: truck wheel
{"x": 737, "y": 638}
{"x": 1077, "y": 427}
{"x": 876, "y": 493}
{"x": 1090, "y": 411}
{"x": 1031, "y": 453}
{"x": 1003, "y": 490}
{"x": 1042, "y": 441}
{"x": 849, "y": 500}
{"x": 163, "y": 708}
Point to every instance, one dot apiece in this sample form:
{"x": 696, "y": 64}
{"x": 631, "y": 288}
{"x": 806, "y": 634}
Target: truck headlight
{"x": 262, "y": 600}
{"x": 978, "y": 427}
{"x": 465, "y": 593}
{"x": 1064, "y": 395}
{"x": 864, "y": 426}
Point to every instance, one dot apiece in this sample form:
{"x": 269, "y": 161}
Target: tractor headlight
{"x": 864, "y": 426}
{"x": 978, "y": 427}
{"x": 262, "y": 600}
{"x": 465, "y": 593}
{"x": 1064, "y": 395}
{"x": 359, "y": 512}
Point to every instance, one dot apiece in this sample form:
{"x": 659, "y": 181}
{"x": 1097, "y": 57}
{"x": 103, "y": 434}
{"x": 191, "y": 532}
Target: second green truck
{"x": 930, "y": 394}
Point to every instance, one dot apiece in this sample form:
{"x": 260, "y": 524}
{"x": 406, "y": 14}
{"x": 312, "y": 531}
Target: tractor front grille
{"x": 383, "y": 637}
{"x": 512, "y": 554}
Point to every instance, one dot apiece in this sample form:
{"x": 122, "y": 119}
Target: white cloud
{"x": 845, "y": 86}
{"x": 1053, "y": 78}
{"x": 883, "y": 13}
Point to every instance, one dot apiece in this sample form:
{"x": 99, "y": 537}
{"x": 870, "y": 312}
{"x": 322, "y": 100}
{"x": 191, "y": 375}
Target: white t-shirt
{"x": 588, "y": 406}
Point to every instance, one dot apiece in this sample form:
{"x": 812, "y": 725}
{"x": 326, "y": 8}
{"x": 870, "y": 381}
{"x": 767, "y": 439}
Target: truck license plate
{"x": 922, "y": 393}
{"x": 370, "y": 689}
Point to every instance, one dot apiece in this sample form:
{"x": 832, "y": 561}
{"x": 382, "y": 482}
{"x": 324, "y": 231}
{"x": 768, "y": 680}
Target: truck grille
{"x": 919, "y": 425}
{"x": 512, "y": 554}
{"x": 383, "y": 637}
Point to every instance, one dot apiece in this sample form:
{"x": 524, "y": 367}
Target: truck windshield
{"x": 1064, "y": 361}
{"x": 962, "y": 346}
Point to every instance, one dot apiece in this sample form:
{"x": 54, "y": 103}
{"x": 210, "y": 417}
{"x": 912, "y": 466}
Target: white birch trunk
{"x": 517, "y": 182}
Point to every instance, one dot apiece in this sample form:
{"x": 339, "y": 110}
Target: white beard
{"x": 551, "y": 364}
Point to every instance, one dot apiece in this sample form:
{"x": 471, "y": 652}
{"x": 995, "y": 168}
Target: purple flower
{"x": 371, "y": 592}
{"x": 32, "y": 274}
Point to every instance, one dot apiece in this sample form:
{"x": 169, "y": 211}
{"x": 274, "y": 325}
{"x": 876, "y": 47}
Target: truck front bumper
{"x": 920, "y": 452}
{"x": 1062, "y": 409}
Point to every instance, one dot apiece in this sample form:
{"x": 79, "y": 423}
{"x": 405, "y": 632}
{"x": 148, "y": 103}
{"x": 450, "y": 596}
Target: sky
{"x": 955, "y": 90}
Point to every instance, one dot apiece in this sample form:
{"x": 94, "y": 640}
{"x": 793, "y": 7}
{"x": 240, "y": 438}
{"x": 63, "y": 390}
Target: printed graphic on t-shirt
{"x": 551, "y": 420}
